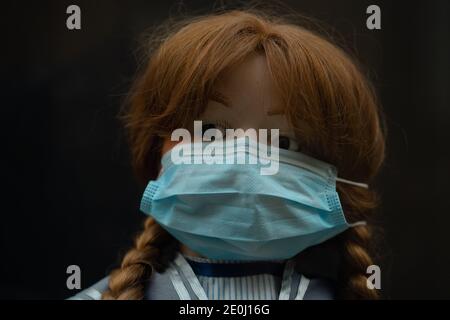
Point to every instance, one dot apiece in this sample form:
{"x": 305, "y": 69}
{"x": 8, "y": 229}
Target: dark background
{"x": 68, "y": 195}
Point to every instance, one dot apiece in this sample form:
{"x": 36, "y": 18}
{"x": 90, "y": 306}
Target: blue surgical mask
{"x": 231, "y": 211}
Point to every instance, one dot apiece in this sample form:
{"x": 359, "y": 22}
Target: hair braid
{"x": 356, "y": 261}
{"x": 154, "y": 248}
{"x": 357, "y": 244}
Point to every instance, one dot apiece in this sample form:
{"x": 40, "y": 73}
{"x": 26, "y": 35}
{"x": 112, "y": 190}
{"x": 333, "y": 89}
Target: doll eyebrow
{"x": 222, "y": 99}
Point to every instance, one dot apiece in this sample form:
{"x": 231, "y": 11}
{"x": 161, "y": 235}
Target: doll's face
{"x": 246, "y": 98}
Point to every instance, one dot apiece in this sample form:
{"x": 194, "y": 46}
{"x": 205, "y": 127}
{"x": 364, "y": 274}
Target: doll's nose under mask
{"x": 231, "y": 211}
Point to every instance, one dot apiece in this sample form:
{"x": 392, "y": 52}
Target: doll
{"x": 248, "y": 69}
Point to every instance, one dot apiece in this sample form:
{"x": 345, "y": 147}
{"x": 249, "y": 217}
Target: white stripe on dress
{"x": 252, "y": 287}
{"x": 255, "y": 287}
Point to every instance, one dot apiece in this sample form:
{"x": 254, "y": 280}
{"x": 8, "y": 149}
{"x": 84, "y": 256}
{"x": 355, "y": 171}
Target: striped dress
{"x": 238, "y": 280}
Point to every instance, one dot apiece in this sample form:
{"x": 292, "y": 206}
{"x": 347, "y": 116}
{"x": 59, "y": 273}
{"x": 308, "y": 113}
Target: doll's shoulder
{"x": 94, "y": 292}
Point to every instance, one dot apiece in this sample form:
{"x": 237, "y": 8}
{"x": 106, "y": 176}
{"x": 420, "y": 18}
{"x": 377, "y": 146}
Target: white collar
{"x": 185, "y": 281}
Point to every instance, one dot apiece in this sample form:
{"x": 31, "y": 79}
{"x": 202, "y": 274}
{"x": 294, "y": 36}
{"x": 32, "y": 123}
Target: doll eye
{"x": 288, "y": 143}
{"x": 207, "y": 126}
{"x": 219, "y": 125}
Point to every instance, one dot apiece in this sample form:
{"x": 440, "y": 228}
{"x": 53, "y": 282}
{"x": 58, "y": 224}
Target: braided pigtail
{"x": 356, "y": 259}
{"x": 154, "y": 248}
{"x": 358, "y": 244}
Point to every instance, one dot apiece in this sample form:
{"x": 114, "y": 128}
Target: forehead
{"x": 250, "y": 84}
{"x": 252, "y": 74}
{"x": 245, "y": 97}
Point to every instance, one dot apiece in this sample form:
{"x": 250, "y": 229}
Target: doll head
{"x": 244, "y": 69}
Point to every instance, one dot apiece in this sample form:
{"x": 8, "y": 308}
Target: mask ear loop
{"x": 358, "y": 223}
{"x": 358, "y": 184}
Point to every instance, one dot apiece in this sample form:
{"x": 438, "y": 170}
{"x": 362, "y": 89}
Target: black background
{"x": 68, "y": 195}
